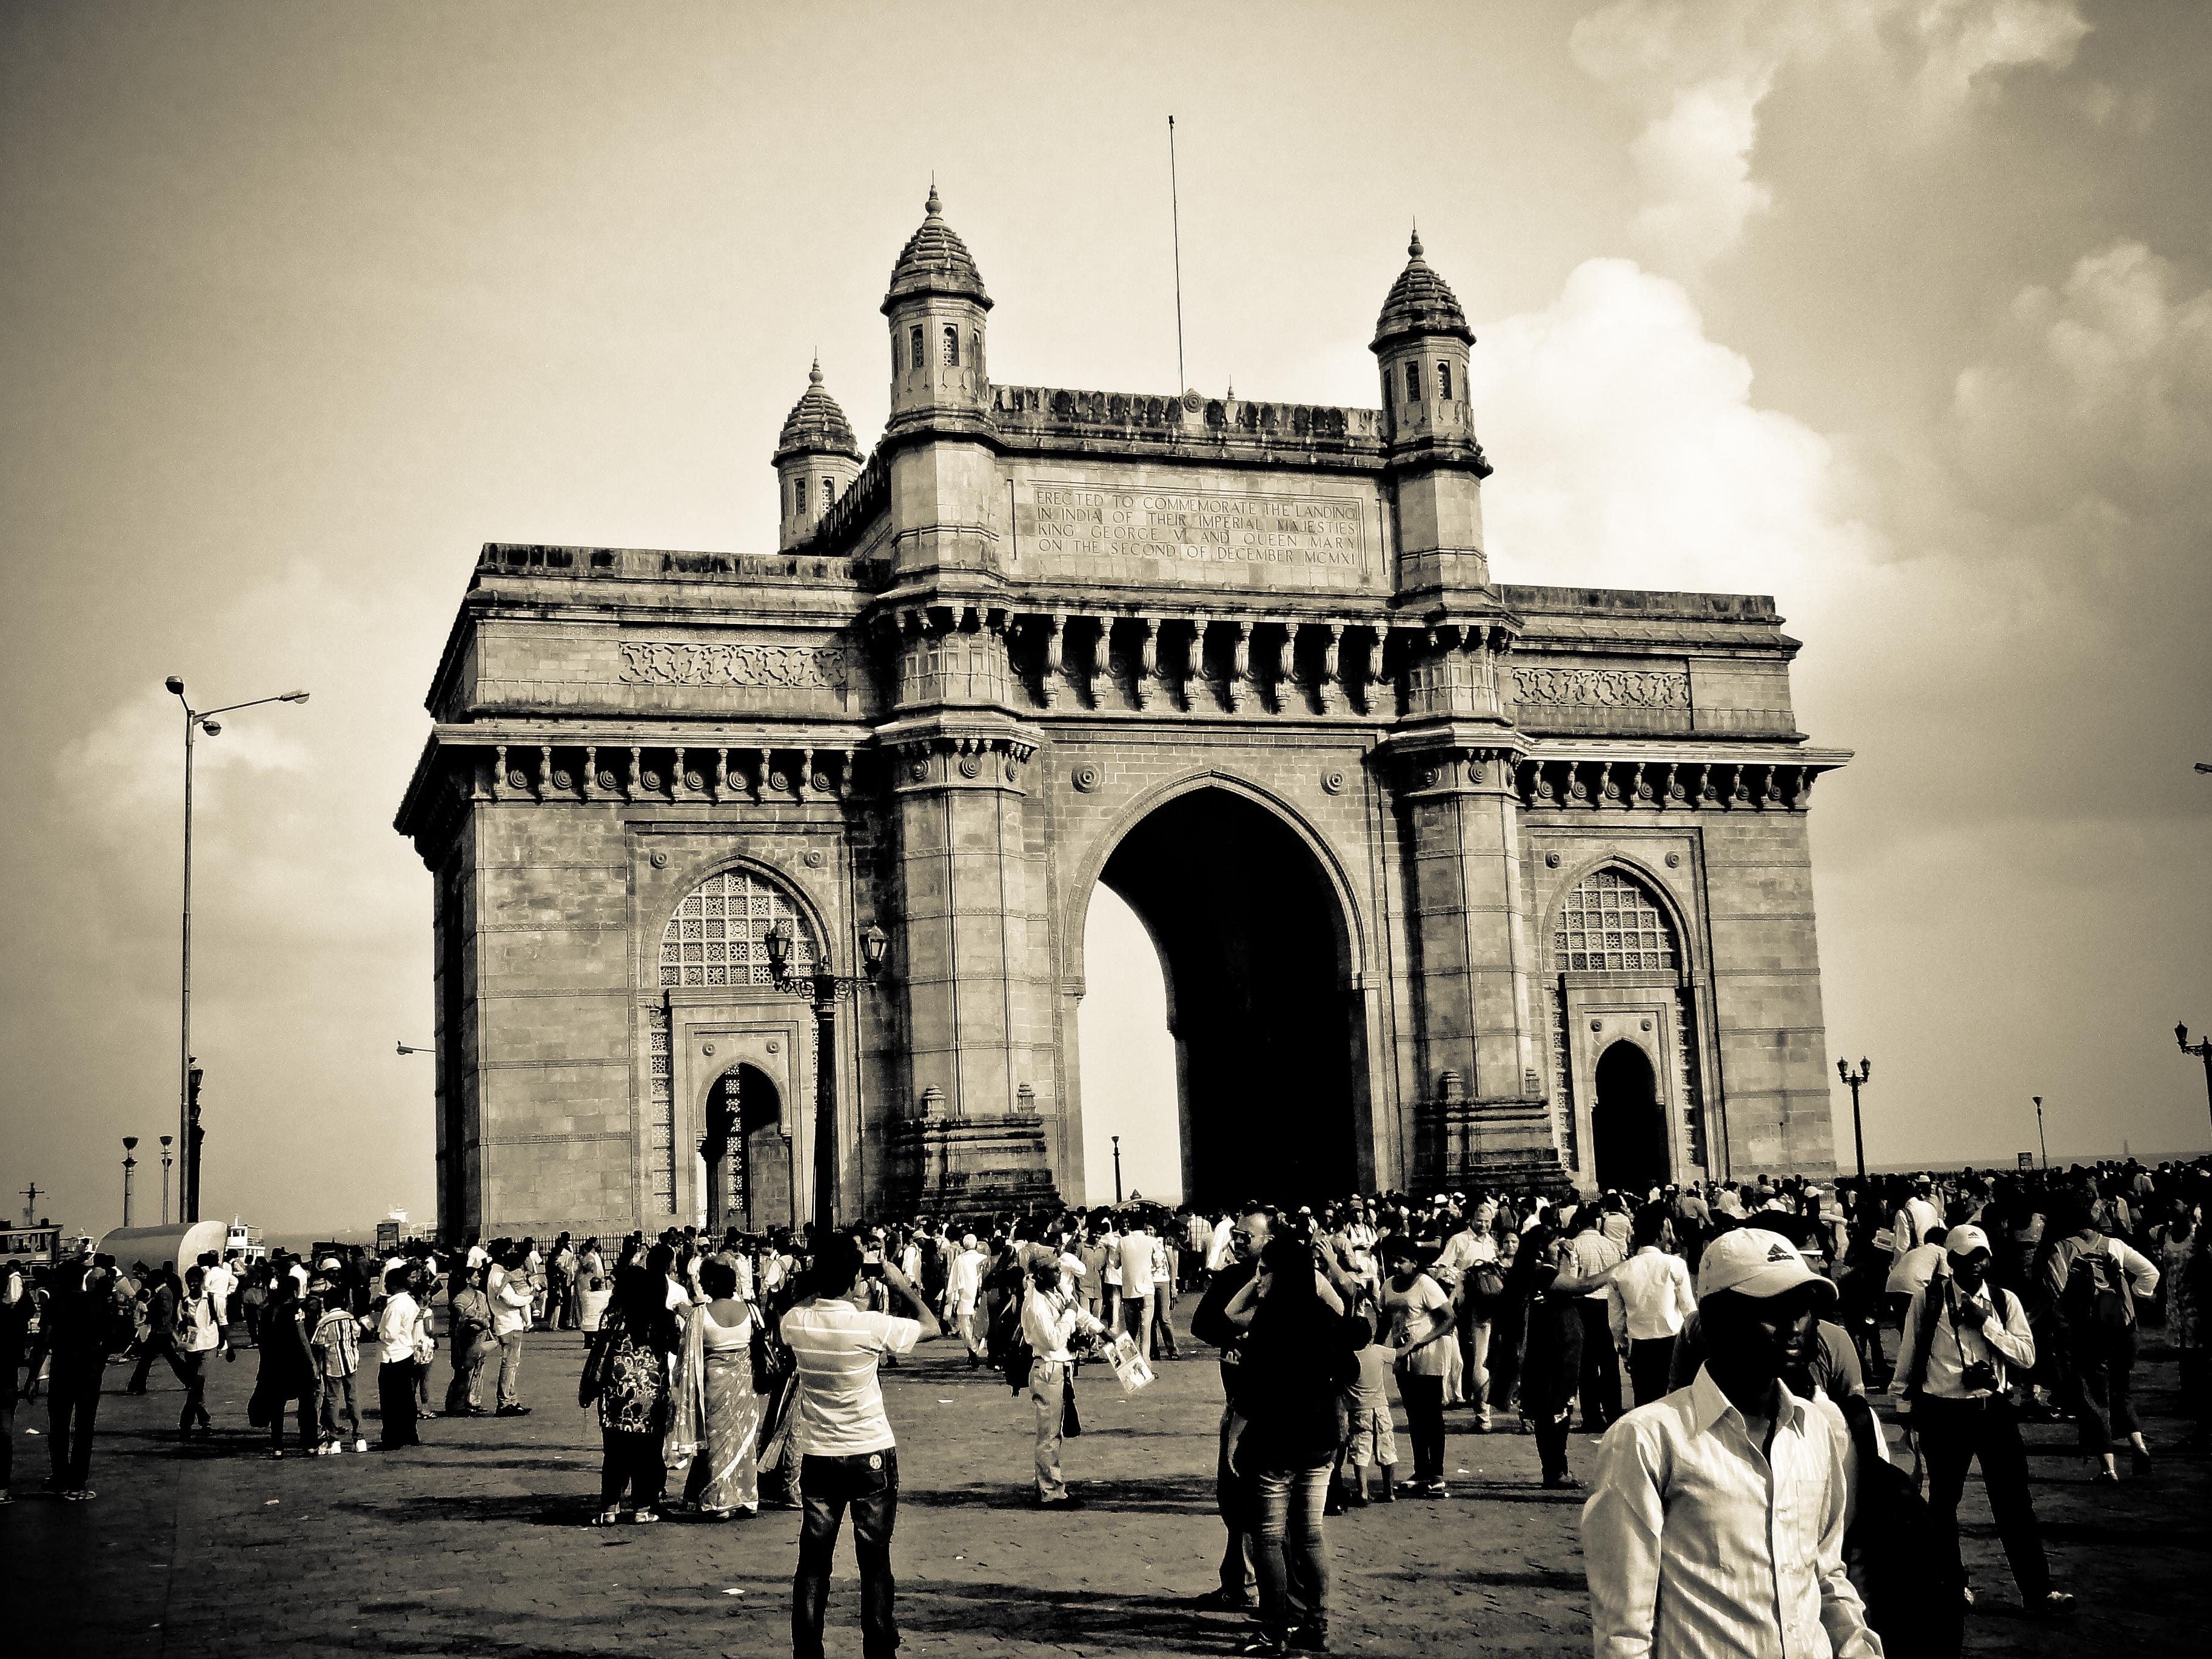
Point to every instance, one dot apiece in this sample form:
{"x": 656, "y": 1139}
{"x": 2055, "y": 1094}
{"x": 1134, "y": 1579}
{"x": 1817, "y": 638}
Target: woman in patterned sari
{"x": 718, "y": 1415}
{"x": 628, "y": 1377}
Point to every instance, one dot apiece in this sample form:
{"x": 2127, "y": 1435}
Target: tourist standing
{"x": 1051, "y": 1316}
{"x": 1595, "y": 1254}
{"x": 1420, "y": 1319}
{"x": 285, "y": 1375}
{"x": 1715, "y": 1523}
{"x": 849, "y": 1456}
{"x": 1964, "y": 1340}
{"x": 1141, "y": 1262}
{"x": 1652, "y": 1297}
{"x": 1233, "y": 1492}
{"x": 396, "y": 1325}
{"x": 334, "y": 1345}
{"x": 507, "y": 1287}
{"x": 718, "y": 1350}
{"x": 1299, "y": 1355}
{"x": 81, "y": 1329}
{"x": 469, "y": 1329}
{"x": 1554, "y": 1362}
{"x": 626, "y": 1377}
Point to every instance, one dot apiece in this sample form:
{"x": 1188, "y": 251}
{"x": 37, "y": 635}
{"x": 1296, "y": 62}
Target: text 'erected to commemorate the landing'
{"x": 1194, "y": 535}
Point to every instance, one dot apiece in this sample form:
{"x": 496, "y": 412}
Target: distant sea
{"x": 2059, "y": 1160}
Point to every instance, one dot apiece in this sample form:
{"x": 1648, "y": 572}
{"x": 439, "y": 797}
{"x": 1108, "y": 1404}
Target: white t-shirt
{"x": 841, "y": 1403}
{"x": 1141, "y": 1262}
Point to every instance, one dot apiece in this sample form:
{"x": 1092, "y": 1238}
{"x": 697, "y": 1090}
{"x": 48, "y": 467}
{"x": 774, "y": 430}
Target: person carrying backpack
{"x": 1963, "y": 1337}
{"x": 2094, "y": 1283}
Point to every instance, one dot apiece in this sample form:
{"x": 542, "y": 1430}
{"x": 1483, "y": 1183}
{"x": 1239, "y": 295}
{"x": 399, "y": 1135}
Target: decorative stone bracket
{"x": 954, "y": 760}
{"x": 1663, "y": 784}
{"x": 537, "y": 773}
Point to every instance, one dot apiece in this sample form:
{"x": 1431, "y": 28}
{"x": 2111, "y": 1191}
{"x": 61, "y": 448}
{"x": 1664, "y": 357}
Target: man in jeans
{"x": 508, "y": 1289}
{"x": 850, "y": 1456}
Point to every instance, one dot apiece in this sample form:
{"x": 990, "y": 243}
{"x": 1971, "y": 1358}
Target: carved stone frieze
{"x": 1601, "y": 687}
{"x": 788, "y": 667}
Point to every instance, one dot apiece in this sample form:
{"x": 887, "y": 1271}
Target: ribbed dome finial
{"x": 814, "y": 375}
{"x": 935, "y": 261}
{"x": 816, "y": 426}
{"x": 1420, "y": 302}
{"x": 1414, "y": 248}
{"x": 933, "y": 207}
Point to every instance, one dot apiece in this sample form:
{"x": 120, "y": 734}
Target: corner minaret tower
{"x": 936, "y": 305}
{"x": 1436, "y": 466}
{"x": 816, "y": 460}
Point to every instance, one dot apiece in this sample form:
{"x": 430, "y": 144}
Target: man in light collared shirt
{"x": 1962, "y": 1336}
{"x": 1651, "y": 1299}
{"x": 1051, "y": 1316}
{"x": 1714, "y": 1526}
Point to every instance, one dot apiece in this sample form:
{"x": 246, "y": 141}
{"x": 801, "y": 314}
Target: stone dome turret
{"x": 816, "y": 426}
{"x": 1420, "y": 303}
{"x": 935, "y": 261}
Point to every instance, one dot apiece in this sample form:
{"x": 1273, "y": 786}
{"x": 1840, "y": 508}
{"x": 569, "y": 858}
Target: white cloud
{"x": 1630, "y": 452}
{"x": 1699, "y": 73}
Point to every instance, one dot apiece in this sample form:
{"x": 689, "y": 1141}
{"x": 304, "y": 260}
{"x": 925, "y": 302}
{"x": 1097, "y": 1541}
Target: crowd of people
{"x": 1721, "y": 1339}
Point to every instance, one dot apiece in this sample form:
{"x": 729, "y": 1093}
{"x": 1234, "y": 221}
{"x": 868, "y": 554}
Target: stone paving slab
{"x": 475, "y": 1543}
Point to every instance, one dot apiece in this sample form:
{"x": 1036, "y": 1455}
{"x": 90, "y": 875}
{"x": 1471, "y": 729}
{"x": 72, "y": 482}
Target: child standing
{"x": 1372, "y": 1443}
{"x": 336, "y": 1344}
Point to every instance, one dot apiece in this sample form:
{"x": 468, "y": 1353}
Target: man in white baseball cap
{"x": 1721, "y": 1507}
{"x": 1964, "y": 1338}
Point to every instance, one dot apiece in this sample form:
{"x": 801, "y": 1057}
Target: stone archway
{"x": 1268, "y": 1038}
{"x": 748, "y": 1156}
{"x": 1628, "y": 1132}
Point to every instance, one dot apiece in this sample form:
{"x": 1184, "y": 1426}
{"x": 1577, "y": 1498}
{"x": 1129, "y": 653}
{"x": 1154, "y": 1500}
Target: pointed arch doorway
{"x": 1251, "y": 939}
{"x": 747, "y": 1155}
{"x": 1628, "y": 1131}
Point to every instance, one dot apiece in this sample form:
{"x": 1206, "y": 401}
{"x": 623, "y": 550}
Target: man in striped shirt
{"x": 850, "y": 1457}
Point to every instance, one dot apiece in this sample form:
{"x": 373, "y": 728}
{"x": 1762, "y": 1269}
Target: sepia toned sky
{"x": 1898, "y": 310}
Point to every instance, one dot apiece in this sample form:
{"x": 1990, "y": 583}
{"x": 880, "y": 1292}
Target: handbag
{"x": 1070, "y": 1424}
{"x": 772, "y": 1361}
{"x": 593, "y": 1382}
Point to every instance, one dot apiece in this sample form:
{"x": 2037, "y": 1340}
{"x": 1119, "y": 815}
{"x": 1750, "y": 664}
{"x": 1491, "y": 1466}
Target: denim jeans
{"x": 1048, "y": 1380}
{"x": 338, "y": 1396}
{"x": 867, "y": 1482}
{"x": 510, "y": 1369}
{"x": 1288, "y": 1550}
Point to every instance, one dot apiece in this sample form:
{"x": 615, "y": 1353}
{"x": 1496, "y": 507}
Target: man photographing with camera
{"x": 849, "y": 1456}
{"x": 1962, "y": 1337}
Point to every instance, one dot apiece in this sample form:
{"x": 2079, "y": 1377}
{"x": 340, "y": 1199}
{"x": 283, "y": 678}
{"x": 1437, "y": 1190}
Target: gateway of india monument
{"x": 761, "y": 876}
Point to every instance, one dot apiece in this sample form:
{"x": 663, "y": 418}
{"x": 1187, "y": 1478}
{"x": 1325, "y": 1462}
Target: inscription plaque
{"x": 1202, "y": 536}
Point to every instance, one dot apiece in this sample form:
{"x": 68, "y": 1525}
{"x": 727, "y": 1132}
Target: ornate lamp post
{"x": 130, "y": 1164}
{"x": 196, "y": 721}
{"x": 1855, "y": 1082}
{"x": 166, "y": 1139}
{"x": 1117, "y": 1169}
{"x": 2041, "y": 1148}
{"x": 824, "y": 989}
{"x": 2202, "y": 1048}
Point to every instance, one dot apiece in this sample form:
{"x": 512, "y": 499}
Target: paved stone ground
{"x": 475, "y": 1543}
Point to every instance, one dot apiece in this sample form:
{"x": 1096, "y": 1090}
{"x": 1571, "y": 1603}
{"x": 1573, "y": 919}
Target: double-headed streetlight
{"x": 822, "y": 988}
{"x": 197, "y": 721}
{"x": 2202, "y": 1047}
{"x": 1855, "y": 1082}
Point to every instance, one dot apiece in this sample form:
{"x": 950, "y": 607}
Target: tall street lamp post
{"x": 2202, "y": 1048}
{"x": 1117, "y": 1169}
{"x": 822, "y": 988}
{"x": 1856, "y": 1083}
{"x": 166, "y": 1140}
{"x": 196, "y": 721}
{"x": 2039, "y": 1146}
{"x": 129, "y": 1163}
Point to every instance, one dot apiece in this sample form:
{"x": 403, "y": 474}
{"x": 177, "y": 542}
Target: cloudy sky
{"x": 1899, "y": 310}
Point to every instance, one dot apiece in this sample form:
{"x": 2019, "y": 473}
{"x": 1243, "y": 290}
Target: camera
{"x": 871, "y": 1264}
{"x": 1980, "y": 1377}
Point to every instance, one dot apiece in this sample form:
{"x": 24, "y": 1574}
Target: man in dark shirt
{"x": 84, "y": 1329}
{"x": 1233, "y": 1493}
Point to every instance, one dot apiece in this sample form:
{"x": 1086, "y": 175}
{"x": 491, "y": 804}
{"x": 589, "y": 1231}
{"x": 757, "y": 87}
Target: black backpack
{"x": 2097, "y": 1292}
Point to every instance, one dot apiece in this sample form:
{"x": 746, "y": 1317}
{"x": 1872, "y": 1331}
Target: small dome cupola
{"x": 1421, "y": 303}
{"x": 936, "y": 306}
{"x": 1422, "y": 339}
{"x": 816, "y": 460}
{"x": 935, "y": 261}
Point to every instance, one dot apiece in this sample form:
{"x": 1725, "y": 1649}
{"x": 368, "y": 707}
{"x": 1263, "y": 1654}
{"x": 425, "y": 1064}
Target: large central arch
{"x": 1258, "y": 953}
